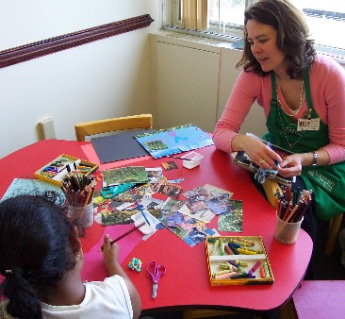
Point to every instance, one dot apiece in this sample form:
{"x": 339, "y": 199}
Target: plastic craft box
{"x": 191, "y": 160}
{"x": 54, "y": 171}
{"x": 245, "y": 263}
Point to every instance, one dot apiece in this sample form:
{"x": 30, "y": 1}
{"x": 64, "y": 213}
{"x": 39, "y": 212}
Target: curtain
{"x": 194, "y": 14}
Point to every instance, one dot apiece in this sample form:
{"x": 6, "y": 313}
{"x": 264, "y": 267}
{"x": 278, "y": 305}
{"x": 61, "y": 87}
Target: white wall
{"x": 117, "y": 76}
{"x": 106, "y": 78}
{"x": 186, "y": 83}
{"x": 194, "y": 78}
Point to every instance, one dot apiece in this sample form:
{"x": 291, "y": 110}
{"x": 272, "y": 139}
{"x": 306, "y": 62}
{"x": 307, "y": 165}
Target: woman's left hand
{"x": 291, "y": 166}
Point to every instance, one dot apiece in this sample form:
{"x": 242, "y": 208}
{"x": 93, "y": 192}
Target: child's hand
{"x": 110, "y": 254}
{"x": 110, "y": 257}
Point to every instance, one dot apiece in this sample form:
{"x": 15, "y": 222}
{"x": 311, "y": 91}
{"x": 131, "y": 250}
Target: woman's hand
{"x": 291, "y": 165}
{"x": 260, "y": 153}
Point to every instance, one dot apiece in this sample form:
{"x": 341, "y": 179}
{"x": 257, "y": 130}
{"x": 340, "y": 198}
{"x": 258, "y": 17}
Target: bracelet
{"x": 315, "y": 157}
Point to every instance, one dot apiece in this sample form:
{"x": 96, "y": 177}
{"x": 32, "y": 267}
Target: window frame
{"x": 235, "y": 34}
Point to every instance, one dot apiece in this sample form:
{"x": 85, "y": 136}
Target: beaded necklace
{"x": 301, "y": 98}
{"x": 287, "y": 128}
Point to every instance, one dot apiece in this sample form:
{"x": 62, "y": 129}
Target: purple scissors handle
{"x": 156, "y": 271}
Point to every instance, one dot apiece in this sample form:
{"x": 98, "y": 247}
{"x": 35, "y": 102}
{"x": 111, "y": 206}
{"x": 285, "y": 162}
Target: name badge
{"x": 308, "y": 125}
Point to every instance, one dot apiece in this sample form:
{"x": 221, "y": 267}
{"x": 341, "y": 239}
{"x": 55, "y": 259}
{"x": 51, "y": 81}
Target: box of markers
{"x": 237, "y": 260}
{"x": 55, "y": 171}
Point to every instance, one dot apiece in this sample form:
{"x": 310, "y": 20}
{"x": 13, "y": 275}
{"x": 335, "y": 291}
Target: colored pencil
{"x": 139, "y": 207}
{"x": 78, "y": 188}
{"x": 126, "y": 233}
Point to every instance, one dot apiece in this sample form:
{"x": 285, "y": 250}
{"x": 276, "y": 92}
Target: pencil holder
{"x": 285, "y": 232}
{"x": 81, "y": 215}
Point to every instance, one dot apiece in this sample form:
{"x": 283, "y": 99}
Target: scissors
{"x": 156, "y": 271}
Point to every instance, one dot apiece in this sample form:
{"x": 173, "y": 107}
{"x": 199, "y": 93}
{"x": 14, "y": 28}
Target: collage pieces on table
{"x": 187, "y": 218}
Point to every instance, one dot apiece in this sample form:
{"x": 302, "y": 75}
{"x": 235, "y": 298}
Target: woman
{"x": 303, "y": 97}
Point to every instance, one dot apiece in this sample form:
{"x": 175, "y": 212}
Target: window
{"x": 325, "y": 19}
{"x": 224, "y": 19}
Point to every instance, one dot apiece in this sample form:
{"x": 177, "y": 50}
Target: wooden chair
{"x": 141, "y": 121}
{"x": 206, "y": 313}
{"x": 271, "y": 188}
{"x": 333, "y": 233}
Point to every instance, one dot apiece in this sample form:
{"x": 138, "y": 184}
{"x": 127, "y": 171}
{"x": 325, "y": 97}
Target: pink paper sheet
{"x": 94, "y": 268}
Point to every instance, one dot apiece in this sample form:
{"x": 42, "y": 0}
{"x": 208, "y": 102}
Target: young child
{"x": 41, "y": 259}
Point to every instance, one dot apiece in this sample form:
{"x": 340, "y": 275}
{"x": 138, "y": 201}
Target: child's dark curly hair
{"x": 35, "y": 251}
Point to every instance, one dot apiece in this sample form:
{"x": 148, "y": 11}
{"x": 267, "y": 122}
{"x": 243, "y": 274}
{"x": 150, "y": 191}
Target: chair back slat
{"x": 141, "y": 121}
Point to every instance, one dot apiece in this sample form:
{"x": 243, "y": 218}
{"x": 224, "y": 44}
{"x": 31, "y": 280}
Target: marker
{"x": 233, "y": 247}
{"x": 182, "y": 158}
{"x": 228, "y": 250}
{"x": 267, "y": 272}
{"x": 233, "y": 265}
{"x": 243, "y": 275}
{"x": 229, "y": 275}
{"x": 255, "y": 267}
{"x": 246, "y": 251}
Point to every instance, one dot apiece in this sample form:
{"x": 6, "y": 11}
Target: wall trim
{"x": 40, "y": 48}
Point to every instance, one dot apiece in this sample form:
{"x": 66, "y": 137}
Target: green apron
{"x": 327, "y": 182}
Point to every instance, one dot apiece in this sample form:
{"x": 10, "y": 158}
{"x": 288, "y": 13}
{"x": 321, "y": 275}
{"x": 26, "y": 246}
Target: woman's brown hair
{"x": 292, "y": 37}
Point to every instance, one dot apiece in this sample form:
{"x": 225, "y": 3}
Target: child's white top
{"x": 103, "y": 299}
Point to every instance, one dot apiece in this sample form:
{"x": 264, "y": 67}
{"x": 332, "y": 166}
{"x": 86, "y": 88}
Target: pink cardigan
{"x": 327, "y": 82}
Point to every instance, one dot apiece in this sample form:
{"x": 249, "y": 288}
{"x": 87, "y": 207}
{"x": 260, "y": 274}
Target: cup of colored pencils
{"x": 291, "y": 208}
{"x": 79, "y": 190}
